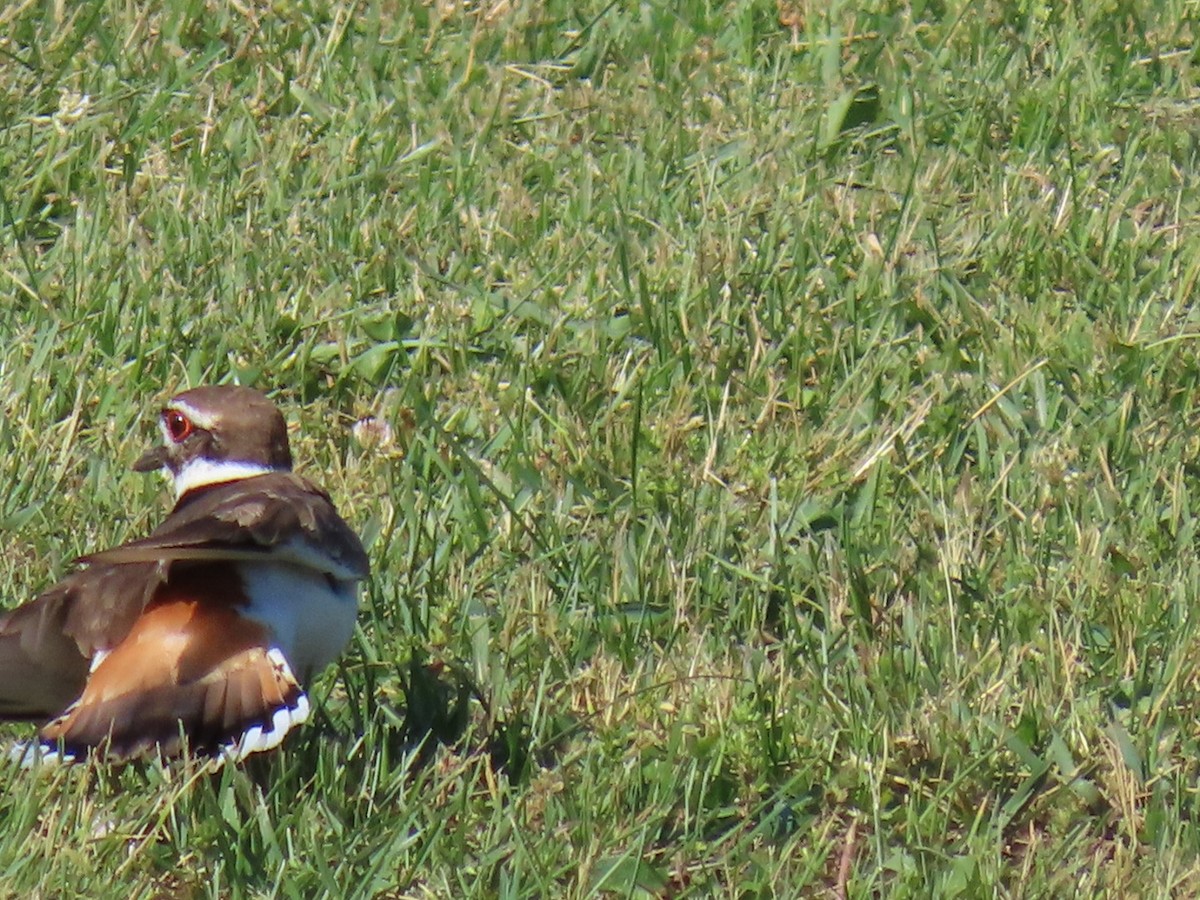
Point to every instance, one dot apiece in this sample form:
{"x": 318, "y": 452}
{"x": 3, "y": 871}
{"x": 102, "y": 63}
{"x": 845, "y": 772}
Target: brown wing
{"x": 280, "y": 515}
{"x": 188, "y": 669}
{"x": 47, "y": 644}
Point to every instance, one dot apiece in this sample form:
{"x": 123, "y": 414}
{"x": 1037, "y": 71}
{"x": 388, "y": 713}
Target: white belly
{"x": 310, "y": 617}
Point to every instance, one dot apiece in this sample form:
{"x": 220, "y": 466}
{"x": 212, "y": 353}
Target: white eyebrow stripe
{"x": 199, "y": 419}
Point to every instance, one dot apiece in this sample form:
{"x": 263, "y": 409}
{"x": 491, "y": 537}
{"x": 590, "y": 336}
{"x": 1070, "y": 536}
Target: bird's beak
{"x": 151, "y": 460}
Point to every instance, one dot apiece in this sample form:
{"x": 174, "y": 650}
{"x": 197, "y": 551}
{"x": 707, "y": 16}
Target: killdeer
{"x": 207, "y": 629}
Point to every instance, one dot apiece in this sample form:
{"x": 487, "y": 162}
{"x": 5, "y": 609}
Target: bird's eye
{"x": 178, "y": 425}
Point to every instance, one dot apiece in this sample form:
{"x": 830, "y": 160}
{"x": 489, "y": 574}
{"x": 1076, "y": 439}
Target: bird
{"x": 200, "y": 637}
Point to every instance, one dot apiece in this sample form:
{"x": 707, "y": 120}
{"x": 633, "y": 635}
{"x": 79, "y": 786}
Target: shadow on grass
{"x": 441, "y": 707}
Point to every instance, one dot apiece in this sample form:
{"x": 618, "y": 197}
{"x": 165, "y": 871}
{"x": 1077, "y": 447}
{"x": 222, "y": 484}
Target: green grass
{"x": 791, "y": 489}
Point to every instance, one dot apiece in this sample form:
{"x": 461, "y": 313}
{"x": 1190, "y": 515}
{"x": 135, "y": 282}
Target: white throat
{"x": 202, "y": 472}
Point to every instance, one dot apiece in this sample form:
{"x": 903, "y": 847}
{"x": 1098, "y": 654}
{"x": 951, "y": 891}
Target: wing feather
{"x": 213, "y": 680}
{"x": 286, "y": 517}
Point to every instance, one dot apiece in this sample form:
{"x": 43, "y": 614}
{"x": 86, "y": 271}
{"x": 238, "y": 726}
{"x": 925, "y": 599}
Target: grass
{"x": 793, "y": 433}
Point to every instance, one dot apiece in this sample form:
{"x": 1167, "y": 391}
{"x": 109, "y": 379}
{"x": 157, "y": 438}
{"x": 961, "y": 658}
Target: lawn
{"x": 781, "y": 479}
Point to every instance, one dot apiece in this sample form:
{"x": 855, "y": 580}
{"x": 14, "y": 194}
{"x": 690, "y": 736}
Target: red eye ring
{"x": 177, "y": 424}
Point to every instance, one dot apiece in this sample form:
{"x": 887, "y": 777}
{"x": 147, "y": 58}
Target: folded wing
{"x": 187, "y": 669}
{"x": 285, "y": 518}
